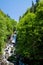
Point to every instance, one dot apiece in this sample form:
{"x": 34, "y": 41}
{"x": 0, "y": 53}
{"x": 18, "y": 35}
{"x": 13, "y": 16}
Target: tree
{"x": 19, "y": 18}
{"x": 30, "y": 34}
{"x": 7, "y": 26}
{"x": 37, "y": 1}
{"x": 32, "y": 6}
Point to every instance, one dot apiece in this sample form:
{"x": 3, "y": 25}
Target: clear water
{"x": 14, "y": 38}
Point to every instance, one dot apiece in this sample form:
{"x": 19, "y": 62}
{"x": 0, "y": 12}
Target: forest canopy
{"x": 7, "y": 26}
{"x": 30, "y": 32}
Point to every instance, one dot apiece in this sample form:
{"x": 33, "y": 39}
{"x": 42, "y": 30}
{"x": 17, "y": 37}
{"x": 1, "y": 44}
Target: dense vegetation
{"x": 7, "y": 26}
{"x": 30, "y": 32}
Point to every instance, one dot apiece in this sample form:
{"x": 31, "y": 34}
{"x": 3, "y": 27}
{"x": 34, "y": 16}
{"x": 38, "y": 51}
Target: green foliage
{"x": 7, "y": 26}
{"x": 30, "y": 34}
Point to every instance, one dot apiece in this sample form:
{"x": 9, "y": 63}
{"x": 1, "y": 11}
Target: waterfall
{"x": 8, "y": 51}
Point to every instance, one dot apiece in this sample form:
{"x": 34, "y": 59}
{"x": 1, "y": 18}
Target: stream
{"x": 9, "y": 50}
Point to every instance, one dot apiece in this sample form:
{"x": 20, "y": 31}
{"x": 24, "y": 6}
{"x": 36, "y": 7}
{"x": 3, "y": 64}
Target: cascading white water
{"x": 10, "y": 47}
